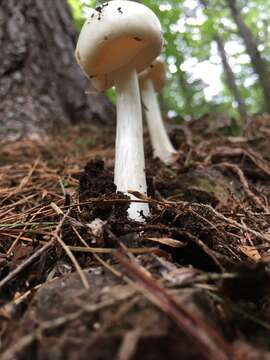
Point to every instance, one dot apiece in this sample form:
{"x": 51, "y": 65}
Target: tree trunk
{"x": 41, "y": 85}
{"x": 231, "y": 80}
{"x": 229, "y": 74}
{"x": 252, "y": 49}
{"x": 186, "y": 91}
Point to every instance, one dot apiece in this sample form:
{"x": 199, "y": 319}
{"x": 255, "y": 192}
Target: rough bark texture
{"x": 252, "y": 49}
{"x": 41, "y": 85}
{"x": 231, "y": 80}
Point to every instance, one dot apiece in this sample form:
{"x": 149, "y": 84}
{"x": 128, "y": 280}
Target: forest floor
{"x": 78, "y": 280}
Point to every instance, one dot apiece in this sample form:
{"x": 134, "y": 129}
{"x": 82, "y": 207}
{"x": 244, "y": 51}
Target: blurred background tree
{"x": 41, "y": 85}
{"x": 217, "y": 55}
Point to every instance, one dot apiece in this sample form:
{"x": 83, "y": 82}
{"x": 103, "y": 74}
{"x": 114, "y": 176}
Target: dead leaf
{"x": 167, "y": 241}
{"x": 251, "y": 252}
{"x": 56, "y": 208}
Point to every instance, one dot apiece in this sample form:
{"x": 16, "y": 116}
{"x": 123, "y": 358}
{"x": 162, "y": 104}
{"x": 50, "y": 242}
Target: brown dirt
{"x": 78, "y": 278}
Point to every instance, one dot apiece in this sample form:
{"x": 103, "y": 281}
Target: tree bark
{"x": 186, "y": 91}
{"x": 231, "y": 80}
{"x": 252, "y": 49}
{"x": 41, "y": 86}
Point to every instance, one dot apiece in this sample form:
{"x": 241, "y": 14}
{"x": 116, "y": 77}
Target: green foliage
{"x": 196, "y": 84}
{"x": 78, "y": 10}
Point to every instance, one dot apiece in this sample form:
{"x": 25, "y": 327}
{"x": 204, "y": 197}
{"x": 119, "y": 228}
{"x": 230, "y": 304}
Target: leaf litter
{"x": 192, "y": 282}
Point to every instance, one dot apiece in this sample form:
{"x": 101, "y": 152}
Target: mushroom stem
{"x": 129, "y": 171}
{"x": 163, "y": 149}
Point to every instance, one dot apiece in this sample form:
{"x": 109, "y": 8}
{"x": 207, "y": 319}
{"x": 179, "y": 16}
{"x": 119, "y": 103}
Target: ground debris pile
{"x": 192, "y": 282}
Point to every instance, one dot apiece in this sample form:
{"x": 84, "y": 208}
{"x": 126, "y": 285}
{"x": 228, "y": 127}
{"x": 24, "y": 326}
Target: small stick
{"x": 74, "y": 262}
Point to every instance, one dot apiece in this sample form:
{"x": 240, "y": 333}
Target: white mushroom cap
{"x": 155, "y": 72}
{"x": 117, "y": 34}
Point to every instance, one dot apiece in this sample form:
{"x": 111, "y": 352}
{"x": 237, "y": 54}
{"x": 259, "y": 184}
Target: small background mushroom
{"x": 153, "y": 80}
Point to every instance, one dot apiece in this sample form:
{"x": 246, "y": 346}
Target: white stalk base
{"x": 129, "y": 171}
{"x": 162, "y": 146}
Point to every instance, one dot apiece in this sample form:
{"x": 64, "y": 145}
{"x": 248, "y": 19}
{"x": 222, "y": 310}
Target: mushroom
{"x": 152, "y": 80}
{"x": 117, "y": 41}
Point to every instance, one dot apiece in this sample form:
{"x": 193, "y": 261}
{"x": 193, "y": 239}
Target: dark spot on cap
{"x": 137, "y": 38}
